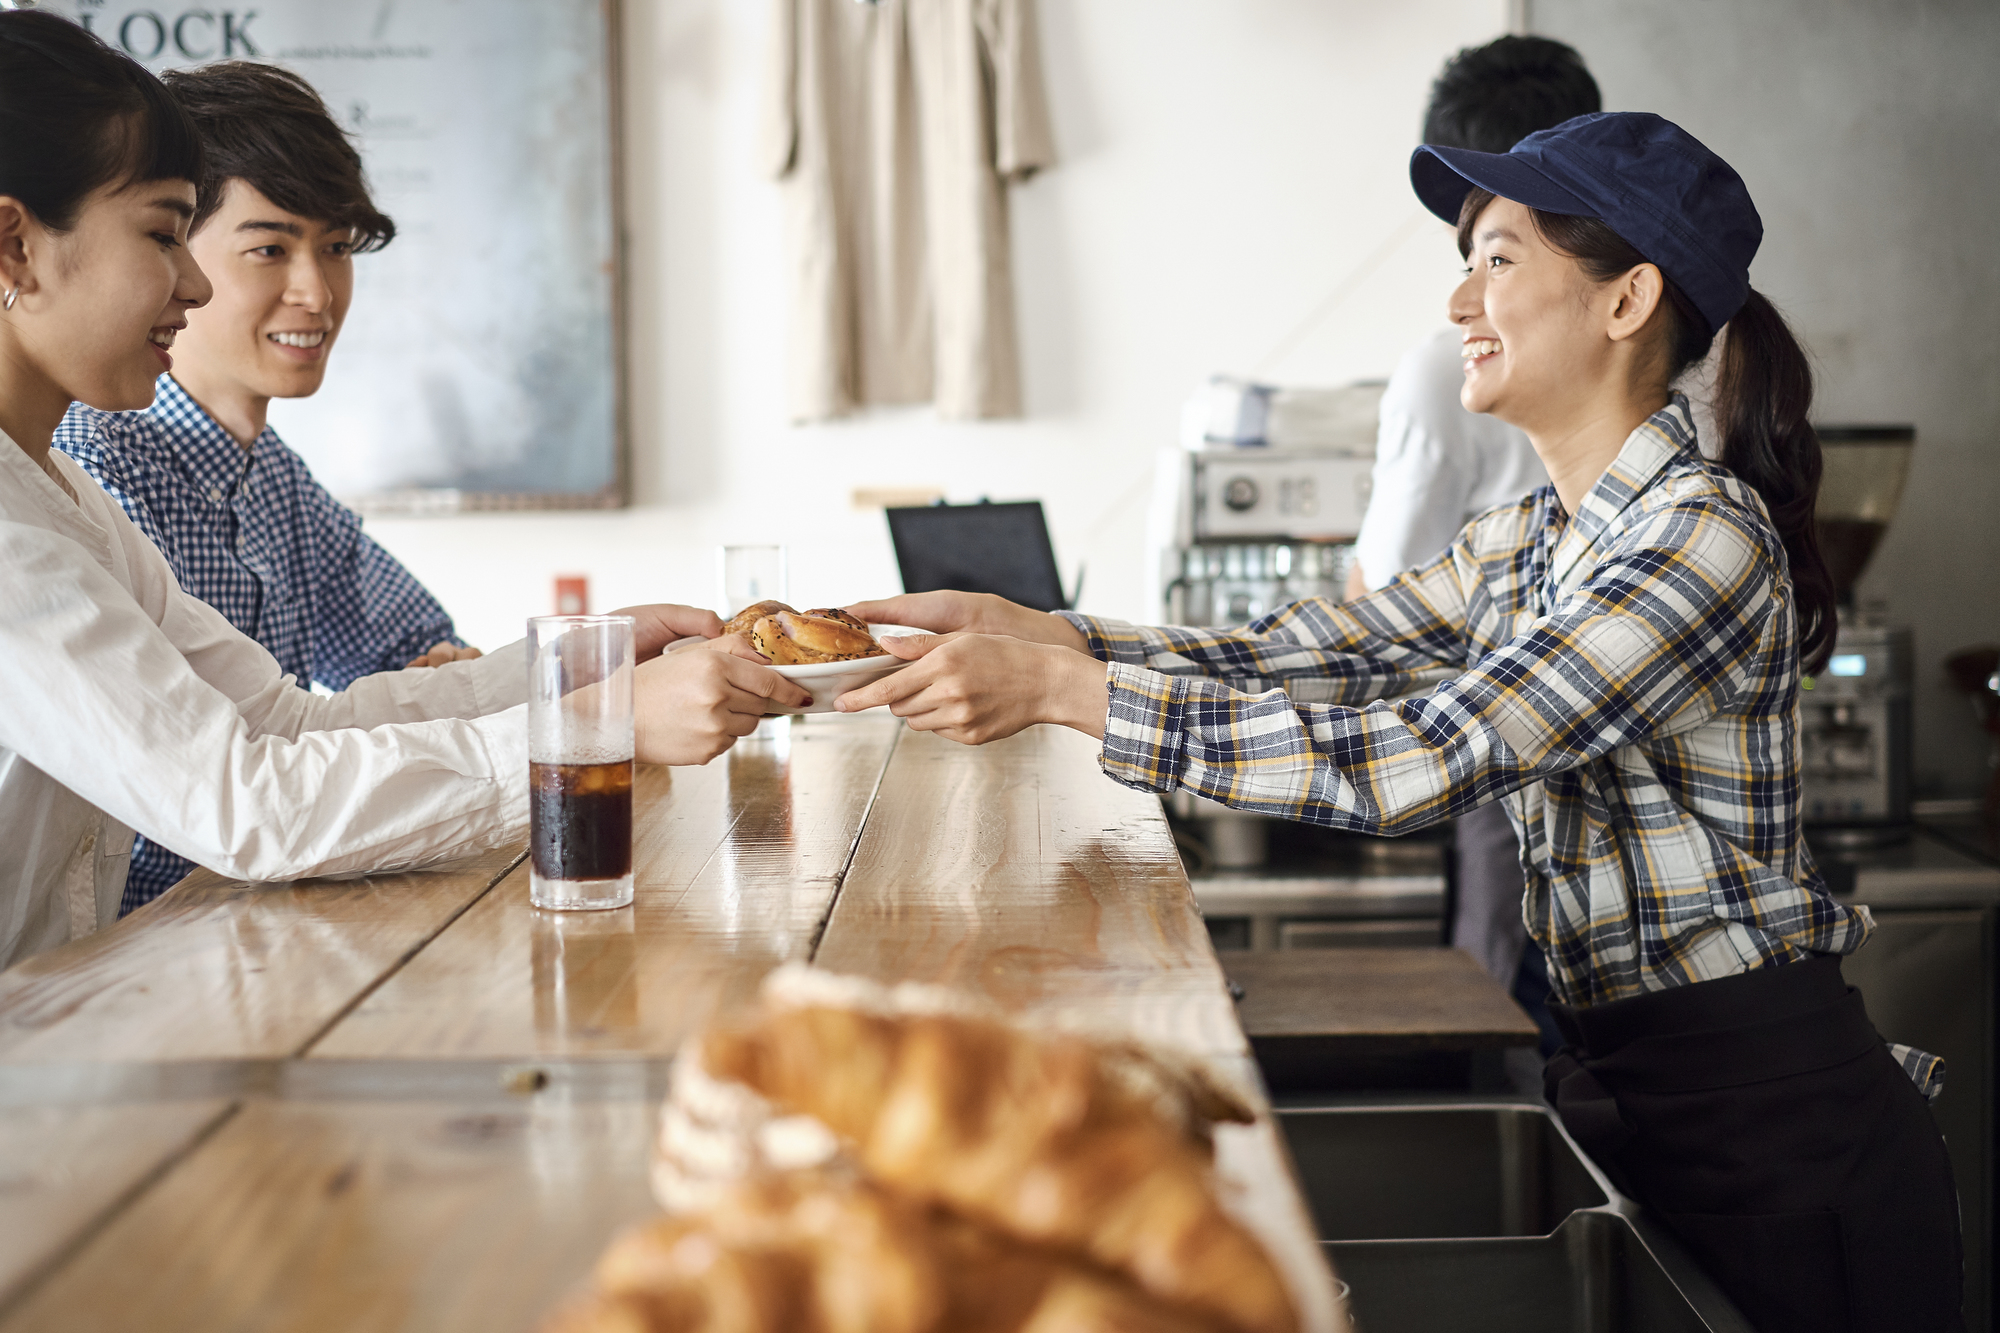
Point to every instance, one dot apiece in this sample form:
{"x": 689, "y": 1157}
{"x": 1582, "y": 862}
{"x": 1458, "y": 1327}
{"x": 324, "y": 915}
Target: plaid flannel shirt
{"x": 253, "y": 535}
{"x": 1626, "y": 681}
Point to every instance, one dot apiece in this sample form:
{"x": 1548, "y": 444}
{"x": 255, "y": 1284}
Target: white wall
{"x": 1866, "y": 133}
{"x": 1225, "y": 166}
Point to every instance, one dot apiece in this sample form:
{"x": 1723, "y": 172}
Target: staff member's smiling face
{"x": 282, "y": 287}
{"x": 1539, "y": 338}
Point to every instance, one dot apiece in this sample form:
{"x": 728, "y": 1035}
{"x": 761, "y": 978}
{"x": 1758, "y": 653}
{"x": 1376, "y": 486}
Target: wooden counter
{"x": 414, "y": 1102}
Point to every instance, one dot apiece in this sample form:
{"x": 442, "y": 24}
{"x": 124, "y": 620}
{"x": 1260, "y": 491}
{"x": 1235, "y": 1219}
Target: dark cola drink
{"x": 580, "y": 833}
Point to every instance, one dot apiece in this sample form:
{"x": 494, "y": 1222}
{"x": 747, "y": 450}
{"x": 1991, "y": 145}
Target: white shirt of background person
{"x": 1437, "y": 466}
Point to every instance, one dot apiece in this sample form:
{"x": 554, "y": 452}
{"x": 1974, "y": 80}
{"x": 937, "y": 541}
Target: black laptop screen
{"x": 996, "y": 548}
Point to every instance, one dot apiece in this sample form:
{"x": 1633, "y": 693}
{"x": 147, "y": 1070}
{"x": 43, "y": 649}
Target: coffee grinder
{"x": 1855, "y": 715}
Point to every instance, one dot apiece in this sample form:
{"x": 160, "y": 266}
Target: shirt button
{"x": 215, "y": 494}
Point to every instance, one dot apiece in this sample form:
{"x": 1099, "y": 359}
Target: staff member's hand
{"x": 688, "y": 708}
{"x": 973, "y": 613}
{"x": 975, "y": 688}
{"x": 658, "y": 624}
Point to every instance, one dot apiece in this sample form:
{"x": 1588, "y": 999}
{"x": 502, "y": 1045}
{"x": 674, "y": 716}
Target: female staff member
{"x": 1623, "y": 650}
{"x": 129, "y": 704}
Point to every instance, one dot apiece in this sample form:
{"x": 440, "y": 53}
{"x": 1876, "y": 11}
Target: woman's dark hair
{"x": 1488, "y": 98}
{"x": 1763, "y": 399}
{"x": 76, "y": 116}
{"x": 267, "y": 127}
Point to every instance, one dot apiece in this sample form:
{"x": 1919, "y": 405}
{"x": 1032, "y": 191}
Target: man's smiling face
{"x": 282, "y": 285}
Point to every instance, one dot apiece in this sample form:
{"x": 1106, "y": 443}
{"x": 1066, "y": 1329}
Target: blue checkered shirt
{"x": 253, "y": 535}
{"x": 1627, "y": 681}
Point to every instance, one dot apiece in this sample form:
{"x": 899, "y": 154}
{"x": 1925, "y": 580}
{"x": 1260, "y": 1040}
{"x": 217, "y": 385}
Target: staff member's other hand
{"x": 972, "y": 613}
{"x": 975, "y": 688}
{"x": 688, "y": 708}
{"x": 658, "y": 624}
{"x": 444, "y": 650}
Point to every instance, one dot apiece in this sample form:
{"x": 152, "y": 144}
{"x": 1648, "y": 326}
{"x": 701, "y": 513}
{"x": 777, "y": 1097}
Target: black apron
{"x": 1762, "y": 1119}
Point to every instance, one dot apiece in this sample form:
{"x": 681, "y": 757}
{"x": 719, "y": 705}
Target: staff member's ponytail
{"x": 1763, "y": 398}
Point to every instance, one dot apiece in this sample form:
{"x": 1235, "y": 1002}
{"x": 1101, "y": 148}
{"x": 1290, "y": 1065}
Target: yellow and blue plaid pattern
{"x": 1627, "y": 681}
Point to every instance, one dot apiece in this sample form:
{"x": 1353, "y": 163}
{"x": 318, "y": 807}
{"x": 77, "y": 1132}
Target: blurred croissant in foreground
{"x": 861, "y": 1158}
{"x": 813, "y": 1253}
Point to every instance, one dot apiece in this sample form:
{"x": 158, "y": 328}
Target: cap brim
{"x": 1444, "y": 176}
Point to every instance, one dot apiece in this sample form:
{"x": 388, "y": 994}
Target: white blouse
{"x": 129, "y": 704}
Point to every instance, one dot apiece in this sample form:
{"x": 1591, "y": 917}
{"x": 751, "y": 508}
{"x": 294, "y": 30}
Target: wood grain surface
{"x": 410, "y": 1216}
{"x": 217, "y": 968}
{"x": 62, "y": 1168}
{"x": 347, "y": 1192}
{"x": 736, "y": 864}
{"x": 1019, "y": 871}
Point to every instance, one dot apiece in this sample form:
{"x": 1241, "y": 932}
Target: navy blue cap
{"x": 1646, "y": 178}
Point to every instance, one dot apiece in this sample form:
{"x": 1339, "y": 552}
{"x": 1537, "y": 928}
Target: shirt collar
{"x": 1659, "y": 440}
{"x": 214, "y": 461}
{"x": 36, "y": 488}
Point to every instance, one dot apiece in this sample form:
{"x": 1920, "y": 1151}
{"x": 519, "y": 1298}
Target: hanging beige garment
{"x": 895, "y": 127}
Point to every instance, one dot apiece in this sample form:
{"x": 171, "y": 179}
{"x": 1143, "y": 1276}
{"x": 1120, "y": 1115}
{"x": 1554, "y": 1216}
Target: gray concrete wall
{"x": 1869, "y": 133}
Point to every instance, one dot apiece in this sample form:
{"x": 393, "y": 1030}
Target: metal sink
{"x": 1486, "y": 1216}
{"x": 1417, "y": 1172}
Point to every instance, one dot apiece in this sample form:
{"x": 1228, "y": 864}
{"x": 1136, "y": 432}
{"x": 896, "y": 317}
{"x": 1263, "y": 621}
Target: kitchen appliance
{"x": 1249, "y": 526}
{"x": 1855, "y": 715}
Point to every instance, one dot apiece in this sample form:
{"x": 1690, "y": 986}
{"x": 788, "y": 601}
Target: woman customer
{"x": 1620, "y": 655}
{"x": 130, "y": 704}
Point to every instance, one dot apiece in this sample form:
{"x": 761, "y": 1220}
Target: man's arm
{"x": 373, "y": 614}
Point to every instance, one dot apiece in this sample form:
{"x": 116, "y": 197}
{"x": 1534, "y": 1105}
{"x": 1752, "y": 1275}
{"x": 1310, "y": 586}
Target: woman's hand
{"x": 688, "y": 708}
{"x": 975, "y": 688}
{"x": 972, "y": 613}
{"x": 658, "y": 624}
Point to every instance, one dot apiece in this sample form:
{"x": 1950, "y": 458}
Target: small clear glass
{"x": 751, "y": 574}
{"x": 580, "y": 762}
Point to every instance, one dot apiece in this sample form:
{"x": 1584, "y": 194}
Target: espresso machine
{"x": 1855, "y": 715}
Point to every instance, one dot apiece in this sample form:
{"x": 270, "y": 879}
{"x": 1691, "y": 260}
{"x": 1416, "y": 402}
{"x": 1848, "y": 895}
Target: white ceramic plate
{"x": 827, "y": 681}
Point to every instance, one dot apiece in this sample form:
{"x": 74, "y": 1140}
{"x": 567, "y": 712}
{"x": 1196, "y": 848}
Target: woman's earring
{"x": 7, "y": 301}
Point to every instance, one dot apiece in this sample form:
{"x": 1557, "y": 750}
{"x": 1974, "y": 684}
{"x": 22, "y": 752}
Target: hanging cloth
{"x": 895, "y": 128}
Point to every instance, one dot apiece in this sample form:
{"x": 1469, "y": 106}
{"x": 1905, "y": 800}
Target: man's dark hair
{"x": 268, "y": 128}
{"x": 1491, "y": 97}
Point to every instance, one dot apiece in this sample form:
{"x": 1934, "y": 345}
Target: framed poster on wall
{"x": 480, "y": 364}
